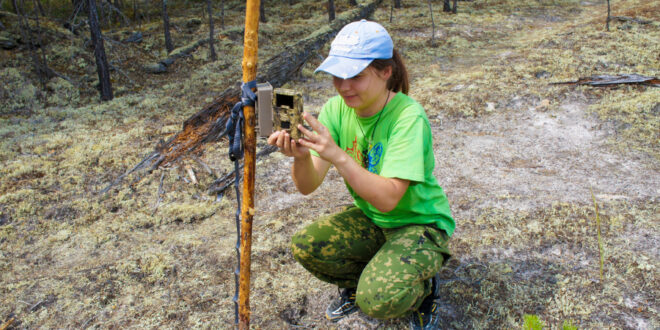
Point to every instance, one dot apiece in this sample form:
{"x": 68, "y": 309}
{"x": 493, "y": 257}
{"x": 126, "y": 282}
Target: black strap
{"x": 234, "y": 130}
{"x": 236, "y": 121}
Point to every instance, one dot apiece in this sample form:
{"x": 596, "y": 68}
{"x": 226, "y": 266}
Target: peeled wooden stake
{"x": 250, "y": 47}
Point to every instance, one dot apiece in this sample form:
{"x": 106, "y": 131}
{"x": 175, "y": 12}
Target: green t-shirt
{"x": 402, "y": 148}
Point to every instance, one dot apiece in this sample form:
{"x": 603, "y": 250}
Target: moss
{"x": 186, "y": 212}
{"x": 18, "y": 93}
{"x": 62, "y": 93}
{"x": 7, "y": 232}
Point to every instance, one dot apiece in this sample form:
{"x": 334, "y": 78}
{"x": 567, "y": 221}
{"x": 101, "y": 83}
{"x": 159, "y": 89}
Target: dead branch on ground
{"x": 608, "y": 80}
{"x": 631, "y": 19}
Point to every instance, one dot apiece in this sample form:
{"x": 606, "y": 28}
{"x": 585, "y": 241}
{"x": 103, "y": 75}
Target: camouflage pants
{"x": 389, "y": 267}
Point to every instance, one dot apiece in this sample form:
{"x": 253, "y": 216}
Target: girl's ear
{"x": 386, "y": 73}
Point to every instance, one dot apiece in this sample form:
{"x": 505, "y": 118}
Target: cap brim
{"x": 343, "y": 67}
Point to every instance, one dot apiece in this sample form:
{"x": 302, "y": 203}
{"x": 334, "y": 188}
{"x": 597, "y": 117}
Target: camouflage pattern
{"x": 389, "y": 267}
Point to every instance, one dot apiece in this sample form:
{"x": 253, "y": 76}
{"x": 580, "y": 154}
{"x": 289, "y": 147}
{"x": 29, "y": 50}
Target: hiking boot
{"x": 342, "y": 306}
{"x": 426, "y": 317}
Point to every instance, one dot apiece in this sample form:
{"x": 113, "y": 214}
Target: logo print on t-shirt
{"x": 374, "y": 155}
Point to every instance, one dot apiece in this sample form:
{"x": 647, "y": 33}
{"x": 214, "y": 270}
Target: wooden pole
{"x": 250, "y": 47}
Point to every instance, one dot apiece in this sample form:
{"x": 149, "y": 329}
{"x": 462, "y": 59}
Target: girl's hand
{"x": 287, "y": 146}
{"x": 320, "y": 142}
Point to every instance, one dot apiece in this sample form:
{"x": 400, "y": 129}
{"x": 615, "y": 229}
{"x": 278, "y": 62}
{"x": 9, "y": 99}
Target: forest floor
{"x": 517, "y": 156}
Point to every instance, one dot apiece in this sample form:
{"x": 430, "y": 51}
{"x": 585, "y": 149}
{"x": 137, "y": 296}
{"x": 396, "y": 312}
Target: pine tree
{"x": 99, "y": 53}
{"x": 166, "y": 27}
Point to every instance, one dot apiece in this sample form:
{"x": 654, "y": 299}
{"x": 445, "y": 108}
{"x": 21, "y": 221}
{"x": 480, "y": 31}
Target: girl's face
{"x": 366, "y": 91}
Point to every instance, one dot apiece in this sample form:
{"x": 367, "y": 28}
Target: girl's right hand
{"x": 287, "y": 146}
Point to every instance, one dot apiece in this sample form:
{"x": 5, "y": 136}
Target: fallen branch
{"x": 221, "y": 184}
{"x": 607, "y": 80}
{"x": 631, "y": 19}
{"x": 208, "y": 125}
{"x": 161, "y": 66}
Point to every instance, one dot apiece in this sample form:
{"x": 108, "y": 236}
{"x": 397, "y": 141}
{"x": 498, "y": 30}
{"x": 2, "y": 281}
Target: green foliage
{"x": 532, "y": 322}
{"x": 568, "y": 325}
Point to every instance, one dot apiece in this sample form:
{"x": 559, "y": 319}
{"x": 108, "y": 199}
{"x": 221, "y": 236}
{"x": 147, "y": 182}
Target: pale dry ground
{"x": 516, "y": 156}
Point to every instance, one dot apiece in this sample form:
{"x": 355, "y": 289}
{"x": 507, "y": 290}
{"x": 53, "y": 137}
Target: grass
{"x": 81, "y": 259}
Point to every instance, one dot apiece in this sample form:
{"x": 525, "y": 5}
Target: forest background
{"x": 517, "y": 155}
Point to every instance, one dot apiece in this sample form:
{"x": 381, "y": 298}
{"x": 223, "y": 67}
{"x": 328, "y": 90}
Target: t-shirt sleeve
{"x": 404, "y": 156}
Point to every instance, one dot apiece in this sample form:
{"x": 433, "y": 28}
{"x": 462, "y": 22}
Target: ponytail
{"x": 398, "y": 81}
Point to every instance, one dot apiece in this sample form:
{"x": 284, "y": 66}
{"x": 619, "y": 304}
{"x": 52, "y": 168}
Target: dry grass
{"x": 71, "y": 258}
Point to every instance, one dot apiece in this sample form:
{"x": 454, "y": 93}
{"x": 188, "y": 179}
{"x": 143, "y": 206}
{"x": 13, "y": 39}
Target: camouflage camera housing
{"x": 279, "y": 109}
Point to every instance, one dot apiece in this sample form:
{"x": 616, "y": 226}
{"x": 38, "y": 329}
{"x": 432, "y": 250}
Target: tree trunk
{"x": 135, "y": 15}
{"x": 108, "y": 3}
{"x": 101, "y": 15}
{"x": 331, "y": 10}
{"x": 26, "y": 35}
{"x": 432, "y": 23}
{"x": 211, "y": 38}
{"x": 453, "y": 10}
{"x": 78, "y": 6}
{"x": 99, "y": 53}
{"x": 397, "y": 4}
{"x": 607, "y": 22}
{"x": 41, "y": 8}
{"x": 222, "y": 14}
{"x": 166, "y": 27}
{"x": 391, "y": 12}
{"x": 46, "y": 72}
{"x": 446, "y": 6}
{"x": 262, "y": 12}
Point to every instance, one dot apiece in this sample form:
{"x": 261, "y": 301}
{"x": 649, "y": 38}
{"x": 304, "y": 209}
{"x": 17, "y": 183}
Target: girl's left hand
{"x": 321, "y": 141}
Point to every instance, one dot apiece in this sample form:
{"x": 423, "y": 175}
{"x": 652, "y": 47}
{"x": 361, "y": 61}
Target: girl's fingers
{"x": 287, "y": 142}
{"x": 272, "y": 139}
{"x": 313, "y": 122}
{"x": 280, "y": 140}
{"x": 307, "y": 133}
{"x": 294, "y": 147}
{"x": 305, "y": 143}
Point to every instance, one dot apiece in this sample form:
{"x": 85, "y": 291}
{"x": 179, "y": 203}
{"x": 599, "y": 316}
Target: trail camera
{"x": 279, "y": 109}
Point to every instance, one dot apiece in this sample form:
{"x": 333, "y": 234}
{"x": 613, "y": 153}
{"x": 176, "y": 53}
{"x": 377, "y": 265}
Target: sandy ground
{"x": 523, "y": 159}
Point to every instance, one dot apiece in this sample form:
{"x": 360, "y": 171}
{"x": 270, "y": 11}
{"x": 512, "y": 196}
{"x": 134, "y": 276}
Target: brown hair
{"x": 399, "y": 79}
